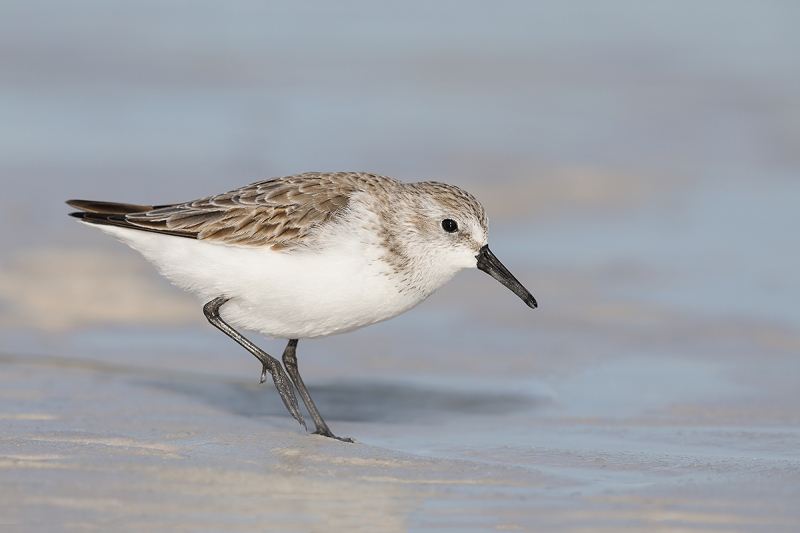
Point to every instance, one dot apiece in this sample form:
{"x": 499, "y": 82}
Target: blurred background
{"x": 639, "y": 163}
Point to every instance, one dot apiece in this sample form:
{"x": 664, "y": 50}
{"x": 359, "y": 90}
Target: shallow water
{"x": 639, "y": 166}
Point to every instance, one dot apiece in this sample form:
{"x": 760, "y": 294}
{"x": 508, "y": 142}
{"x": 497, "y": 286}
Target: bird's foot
{"x": 327, "y": 433}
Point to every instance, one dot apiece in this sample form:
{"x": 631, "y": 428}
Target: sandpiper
{"x": 309, "y": 255}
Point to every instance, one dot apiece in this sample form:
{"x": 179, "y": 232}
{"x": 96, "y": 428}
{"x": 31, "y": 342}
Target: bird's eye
{"x": 449, "y": 225}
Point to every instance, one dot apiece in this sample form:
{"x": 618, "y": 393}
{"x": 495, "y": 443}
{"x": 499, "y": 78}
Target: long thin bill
{"x": 492, "y": 266}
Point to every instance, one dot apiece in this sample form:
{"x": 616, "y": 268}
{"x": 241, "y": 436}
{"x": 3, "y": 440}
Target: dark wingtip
{"x": 113, "y": 214}
{"x": 108, "y": 208}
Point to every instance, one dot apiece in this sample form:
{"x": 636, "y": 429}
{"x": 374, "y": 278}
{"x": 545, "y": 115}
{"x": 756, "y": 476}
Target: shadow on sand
{"x": 355, "y": 402}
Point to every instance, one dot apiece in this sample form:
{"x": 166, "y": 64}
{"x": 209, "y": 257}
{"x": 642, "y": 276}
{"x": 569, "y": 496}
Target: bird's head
{"x": 448, "y": 231}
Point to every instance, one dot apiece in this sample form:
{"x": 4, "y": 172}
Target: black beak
{"x": 492, "y": 266}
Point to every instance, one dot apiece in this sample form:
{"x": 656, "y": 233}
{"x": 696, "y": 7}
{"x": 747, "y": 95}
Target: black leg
{"x": 269, "y": 363}
{"x": 290, "y": 362}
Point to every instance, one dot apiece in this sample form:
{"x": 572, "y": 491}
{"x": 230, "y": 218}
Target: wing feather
{"x": 280, "y": 213}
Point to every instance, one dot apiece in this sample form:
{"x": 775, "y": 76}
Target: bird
{"x": 308, "y": 255}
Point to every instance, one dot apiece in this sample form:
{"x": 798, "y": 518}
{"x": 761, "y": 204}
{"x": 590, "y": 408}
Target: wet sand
{"x": 620, "y": 445}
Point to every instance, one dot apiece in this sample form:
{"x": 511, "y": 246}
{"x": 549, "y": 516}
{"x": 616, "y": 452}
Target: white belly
{"x": 280, "y": 294}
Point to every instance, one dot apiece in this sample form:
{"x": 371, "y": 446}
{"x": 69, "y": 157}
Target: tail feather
{"x": 114, "y": 214}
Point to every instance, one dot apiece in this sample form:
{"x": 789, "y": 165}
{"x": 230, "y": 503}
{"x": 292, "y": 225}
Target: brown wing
{"x": 279, "y": 213}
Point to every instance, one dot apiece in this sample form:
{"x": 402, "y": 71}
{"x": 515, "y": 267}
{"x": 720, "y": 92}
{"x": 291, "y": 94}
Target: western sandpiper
{"x": 309, "y": 255}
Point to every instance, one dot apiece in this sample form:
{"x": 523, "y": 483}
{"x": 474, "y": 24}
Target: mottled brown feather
{"x": 279, "y": 213}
